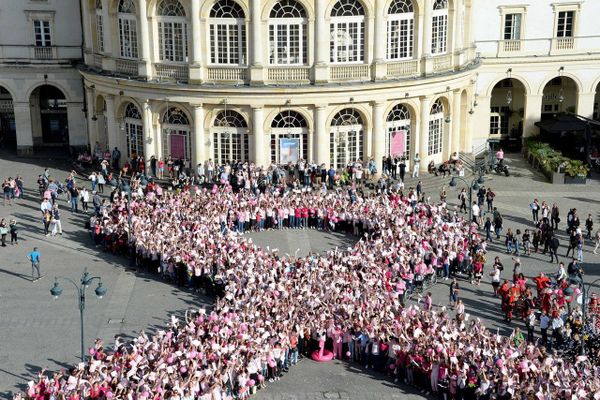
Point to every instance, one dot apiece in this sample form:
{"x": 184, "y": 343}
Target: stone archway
{"x": 507, "y": 110}
{"x": 559, "y": 96}
{"x": 49, "y": 123}
{"x": 8, "y": 131}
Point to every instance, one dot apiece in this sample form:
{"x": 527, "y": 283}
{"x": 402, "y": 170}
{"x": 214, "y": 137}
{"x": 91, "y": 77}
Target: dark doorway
{"x": 53, "y": 115}
{"x": 8, "y": 131}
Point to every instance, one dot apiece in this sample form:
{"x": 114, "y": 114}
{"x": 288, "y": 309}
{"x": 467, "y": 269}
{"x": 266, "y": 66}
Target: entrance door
{"x": 178, "y": 146}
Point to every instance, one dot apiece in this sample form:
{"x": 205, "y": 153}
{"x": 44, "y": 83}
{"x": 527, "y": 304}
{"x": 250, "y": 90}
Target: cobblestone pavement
{"x": 38, "y": 331}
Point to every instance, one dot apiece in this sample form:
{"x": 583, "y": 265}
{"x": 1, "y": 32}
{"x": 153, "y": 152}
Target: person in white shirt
{"x": 475, "y": 212}
{"x": 416, "y": 166}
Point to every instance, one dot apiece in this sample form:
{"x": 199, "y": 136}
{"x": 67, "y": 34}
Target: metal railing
{"x": 127, "y": 67}
{"x": 43, "y": 53}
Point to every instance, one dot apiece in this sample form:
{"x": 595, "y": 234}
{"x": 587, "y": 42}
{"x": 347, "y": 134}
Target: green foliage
{"x": 550, "y": 159}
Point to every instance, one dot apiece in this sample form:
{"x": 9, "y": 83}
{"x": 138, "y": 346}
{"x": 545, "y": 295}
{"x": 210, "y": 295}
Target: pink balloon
{"x": 348, "y": 354}
{"x": 261, "y": 378}
{"x": 276, "y": 293}
{"x": 215, "y": 329}
{"x": 183, "y": 370}
{"x": 251, "y": 382}
{"x": 92, "y": 351}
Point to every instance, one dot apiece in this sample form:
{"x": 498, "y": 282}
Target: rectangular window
{"x": 346, "y": 42}
{"x": 128, "y": 37}
{"x": 499, "y": 120}
{"x": 227, "y": 43}
{"x": 439, "y": 34}
{"x": 565, "y": 24}
{"x": 172, "y": 41}
{"x": 434, "y": 146}
{"x": 99, "y": 33}
{"x": 400, "y": 39}
{"x": 41, "y": 30}
{"x": 512, "y": 26}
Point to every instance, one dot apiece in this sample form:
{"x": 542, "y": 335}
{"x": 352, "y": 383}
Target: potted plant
{"x": 576, "y": 172}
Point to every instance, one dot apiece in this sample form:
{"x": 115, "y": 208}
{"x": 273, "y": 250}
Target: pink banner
{"x": 398, "y": 143}
{"x": 178, "y": 146}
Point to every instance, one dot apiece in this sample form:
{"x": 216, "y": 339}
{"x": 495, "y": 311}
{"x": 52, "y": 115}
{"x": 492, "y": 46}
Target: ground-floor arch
{"x": 507, "y": 110}
{"x": 8, "y": 132}
{"x": 49, "y": 116}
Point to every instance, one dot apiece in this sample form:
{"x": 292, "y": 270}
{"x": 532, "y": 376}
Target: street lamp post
{"x": 84, "y": 282}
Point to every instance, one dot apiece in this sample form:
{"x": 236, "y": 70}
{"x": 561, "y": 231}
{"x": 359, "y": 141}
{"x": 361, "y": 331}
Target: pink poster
{"x": 178, "y": 146}
{"x": 398, "y": 143}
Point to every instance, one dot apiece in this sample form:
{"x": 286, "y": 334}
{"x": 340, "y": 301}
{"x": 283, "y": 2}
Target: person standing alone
{"x": 34, "y": 257}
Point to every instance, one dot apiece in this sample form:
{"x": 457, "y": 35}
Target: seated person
{"x": 444, "y": 169}
{"x": 454, "y": 158}
{"x": 431, "y": 168}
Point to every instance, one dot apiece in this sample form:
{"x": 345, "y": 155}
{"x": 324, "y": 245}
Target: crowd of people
{"x": 273, "y": 307}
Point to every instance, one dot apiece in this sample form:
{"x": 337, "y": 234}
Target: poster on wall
{"x": 398, "y": 142}
{"x": 288, "y": 150}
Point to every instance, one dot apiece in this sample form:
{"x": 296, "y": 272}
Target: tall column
{"x": 533, "y": 113}
{"x": 321, "y": 135}
{"x": 87, "y": 32}
{"x": 199, "y": 154}
{"x": 76, "y": 124}
{"x": 257, "y": 70}
{"x": 585, "y": 104}
{"x": 149, "y": 137}
{"x": 196, "y": 66}
{"x": 111, "y": 123}
{"x": 454, "y": 142}
{"x": 426, "y": 62}
{"x": 261, "y": 154}
{"x": 424, "y": 131}
{"x": 106, "y": 28}
{"x": 427, "y": 23}
{"x": 108, "y": 62}
{"x": 380, "y": 70}
{"x": 22, "y": 112}
{"x": 378, "y": 132}
{"x": 321, "y": 44}
{"x": 144, "y": 67}
{"x": 92, "y": 126}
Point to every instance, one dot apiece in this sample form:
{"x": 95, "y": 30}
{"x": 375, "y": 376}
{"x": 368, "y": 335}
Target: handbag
{"x": 3, "y": 230}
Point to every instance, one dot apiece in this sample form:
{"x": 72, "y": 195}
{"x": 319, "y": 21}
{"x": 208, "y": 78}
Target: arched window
{"x": 288, "y": 34}
{"x": 134, "y": 130}
{"x": 397, "y": 140}
{"x": 289, "y": 137}
{"x": 227, "y": 31}
{"x": 128, "y": 29}
{"x": 176, "y": 134}
{"x": 439, "y": 27}
{"x": 99, "y": 27}
{"x": 400, "y": 28}
{"x": 347, "y": 32}
{"x": 346, "y": 138}
{"x": 436, "y": 128}
{"x": 230, "y": 138}
{"x": 172, "y": 31}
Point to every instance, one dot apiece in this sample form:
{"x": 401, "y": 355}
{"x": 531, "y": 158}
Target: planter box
{"x": 575, "y": 180}
{"x": 558, "y": 178}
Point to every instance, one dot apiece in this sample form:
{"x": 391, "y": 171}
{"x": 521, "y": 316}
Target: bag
{"x": 3, "y": 231}
{"x": 558, "y": 220}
